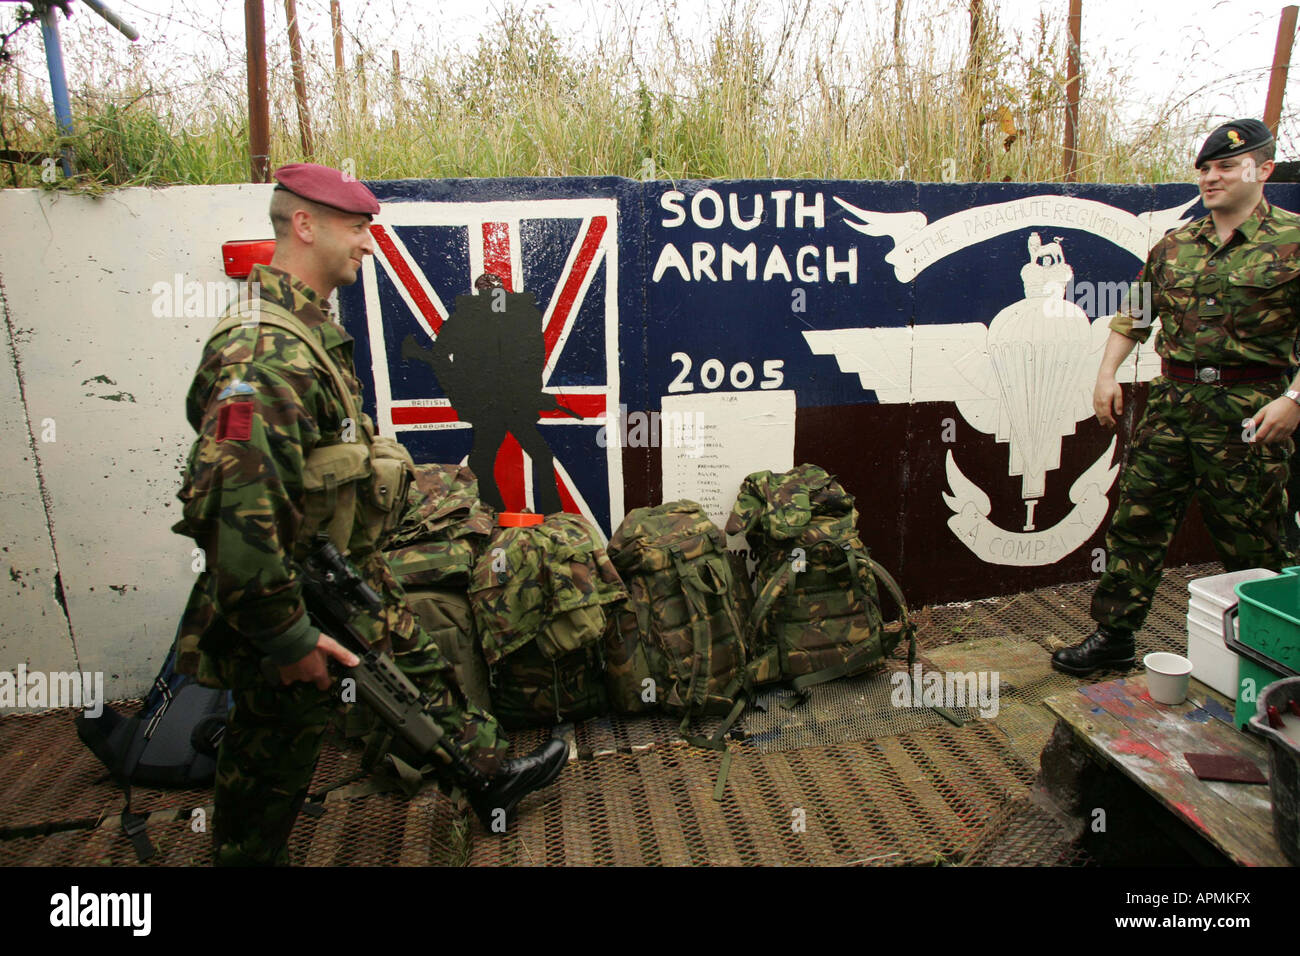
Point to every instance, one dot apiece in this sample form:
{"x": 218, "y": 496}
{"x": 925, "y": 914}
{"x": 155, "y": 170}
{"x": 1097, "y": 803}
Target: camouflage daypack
{"x": 679, "y": 643}
{"x": 817, "y": 613}
{"x": 432, "y": 553}
{"x": 539, "y": 595}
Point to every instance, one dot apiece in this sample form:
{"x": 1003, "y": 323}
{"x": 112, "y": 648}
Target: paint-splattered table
{"x": 1120, "y": 726}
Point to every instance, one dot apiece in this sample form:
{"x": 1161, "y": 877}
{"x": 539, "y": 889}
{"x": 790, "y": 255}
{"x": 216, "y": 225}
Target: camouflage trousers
{"x": 274, "y": 733}
{"x": 1191, "y": 441}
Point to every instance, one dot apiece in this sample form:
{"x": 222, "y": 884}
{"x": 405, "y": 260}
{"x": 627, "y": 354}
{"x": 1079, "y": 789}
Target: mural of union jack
{"x": 564, "y": 252}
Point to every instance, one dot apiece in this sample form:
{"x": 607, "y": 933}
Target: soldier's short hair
{"x": 1265, "y": 152}
{"x": 284, "y": 204}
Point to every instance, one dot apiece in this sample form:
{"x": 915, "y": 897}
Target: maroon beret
{"x": 329, "y": 187}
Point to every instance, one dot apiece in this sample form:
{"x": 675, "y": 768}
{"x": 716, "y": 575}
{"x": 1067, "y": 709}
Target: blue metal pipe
{"x": 58, "y": 80}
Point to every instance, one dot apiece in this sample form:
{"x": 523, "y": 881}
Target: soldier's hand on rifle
{"x": 313, "y": 668}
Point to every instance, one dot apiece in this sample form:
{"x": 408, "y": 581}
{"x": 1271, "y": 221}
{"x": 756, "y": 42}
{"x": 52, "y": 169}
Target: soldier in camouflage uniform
{"x": 276, "y": 460}
{"x": 1226, "y": 289}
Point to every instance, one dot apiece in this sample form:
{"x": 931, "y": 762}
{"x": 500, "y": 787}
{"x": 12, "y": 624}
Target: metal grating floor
{"x": 856, "y": 708}
{"x": 919, "y": 799}
{"x": 877, "y": 785}
{"x": 1058, "y": 615}
{"x": 1021, "y": 833}
{"x": 1025, "y": 679}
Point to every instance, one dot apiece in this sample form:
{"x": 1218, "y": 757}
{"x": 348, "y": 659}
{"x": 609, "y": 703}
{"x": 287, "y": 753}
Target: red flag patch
{"x": 235, "y": 422}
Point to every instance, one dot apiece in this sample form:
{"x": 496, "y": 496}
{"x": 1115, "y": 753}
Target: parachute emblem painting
{"x": 1025, "y": 378}
{"x": 516, "y": 377}
{"x": 1038, "y": 364}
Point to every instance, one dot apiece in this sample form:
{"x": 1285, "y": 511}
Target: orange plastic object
{"x": 241, "y": 255}
{"x": 518, "y": 519}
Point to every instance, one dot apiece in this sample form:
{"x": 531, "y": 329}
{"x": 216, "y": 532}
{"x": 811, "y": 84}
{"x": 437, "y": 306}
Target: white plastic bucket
{"x": 1167, "y": 676}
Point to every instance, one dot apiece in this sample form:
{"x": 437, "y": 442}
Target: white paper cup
{"x": 1167, "y": 677}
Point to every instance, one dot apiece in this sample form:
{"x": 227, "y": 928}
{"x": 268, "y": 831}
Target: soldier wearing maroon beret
{"x": 283, "y": 452}
{"x": 327, "y": 215}
{"x": 328, "y": 187}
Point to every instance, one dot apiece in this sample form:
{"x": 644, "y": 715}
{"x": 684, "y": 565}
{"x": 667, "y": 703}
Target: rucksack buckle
{"x": 134, "y": 826}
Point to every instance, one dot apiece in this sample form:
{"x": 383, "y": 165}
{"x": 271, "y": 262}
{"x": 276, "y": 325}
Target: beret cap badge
{"x": 1234, "y": 138}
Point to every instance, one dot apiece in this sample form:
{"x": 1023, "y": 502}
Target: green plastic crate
{"x": 1268, "y": 637}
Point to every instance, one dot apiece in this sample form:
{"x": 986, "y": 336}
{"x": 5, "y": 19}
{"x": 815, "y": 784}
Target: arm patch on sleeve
{"x": 235, "y": 422}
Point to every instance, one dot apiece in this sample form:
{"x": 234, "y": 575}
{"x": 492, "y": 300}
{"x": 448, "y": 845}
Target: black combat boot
{"x": 1106, "y": 647}
{"x": 517, "y": 778}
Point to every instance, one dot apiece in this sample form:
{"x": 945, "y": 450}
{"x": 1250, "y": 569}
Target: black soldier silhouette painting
{"x": 489, "y": 357}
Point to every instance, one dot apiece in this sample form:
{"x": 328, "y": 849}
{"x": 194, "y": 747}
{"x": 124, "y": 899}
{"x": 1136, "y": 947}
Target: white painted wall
{"x": 82, "y": 346}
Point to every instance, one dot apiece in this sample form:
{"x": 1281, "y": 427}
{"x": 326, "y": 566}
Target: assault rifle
{"x": 334, "y": 593}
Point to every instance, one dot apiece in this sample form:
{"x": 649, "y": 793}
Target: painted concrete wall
{"x": 933, "y": 345}
{"x": 872, "y": 328}
{"x": 91, "y": 576}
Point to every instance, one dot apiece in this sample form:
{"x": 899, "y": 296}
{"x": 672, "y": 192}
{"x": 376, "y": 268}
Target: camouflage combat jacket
{"x": 443, "y": 531}
{"x": 1231, "y": 303}
{"x": 244, "y": 500}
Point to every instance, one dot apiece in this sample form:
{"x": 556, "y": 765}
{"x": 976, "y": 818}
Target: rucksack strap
{"x": 909, "y": 628}
{"x": 772, "y": 589}
{"x": 133, "y": 827}
{"x": 741, "y": 690}
{"x": 803, "y": 684}
{"x": 697, "y": 692}
{"x": 733, "y": 607}
{"x": 268, "y": 313}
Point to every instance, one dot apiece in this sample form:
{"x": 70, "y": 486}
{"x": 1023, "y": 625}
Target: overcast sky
{"x": 1216, "y": 54}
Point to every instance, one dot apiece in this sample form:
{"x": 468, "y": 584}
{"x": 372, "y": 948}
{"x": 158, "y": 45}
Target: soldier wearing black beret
{"x": 1225, "y": 293}
{"x": 1237, "y": 139}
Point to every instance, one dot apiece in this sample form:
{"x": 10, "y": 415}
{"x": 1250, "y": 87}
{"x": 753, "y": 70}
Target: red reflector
{"x": 518, "y": 519}
{"x": 241, "y": 255}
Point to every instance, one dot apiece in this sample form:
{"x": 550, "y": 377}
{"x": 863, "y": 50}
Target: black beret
{"x": 1232, "y": 139}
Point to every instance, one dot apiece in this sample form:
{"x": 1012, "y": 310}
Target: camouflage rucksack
{"x": 817, "y": 613}
{"x": 444, "y": 528}
{"x": 539, "y": 595}
{"x": 679, "y": 643}
{"x": 432, "y": 552}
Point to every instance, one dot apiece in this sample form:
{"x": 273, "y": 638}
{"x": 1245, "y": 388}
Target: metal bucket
{"x": 1283, "y": 766}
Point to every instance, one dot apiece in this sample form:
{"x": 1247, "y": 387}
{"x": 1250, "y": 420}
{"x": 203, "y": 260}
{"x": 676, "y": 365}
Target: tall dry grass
{"x": 912, "y": 98}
